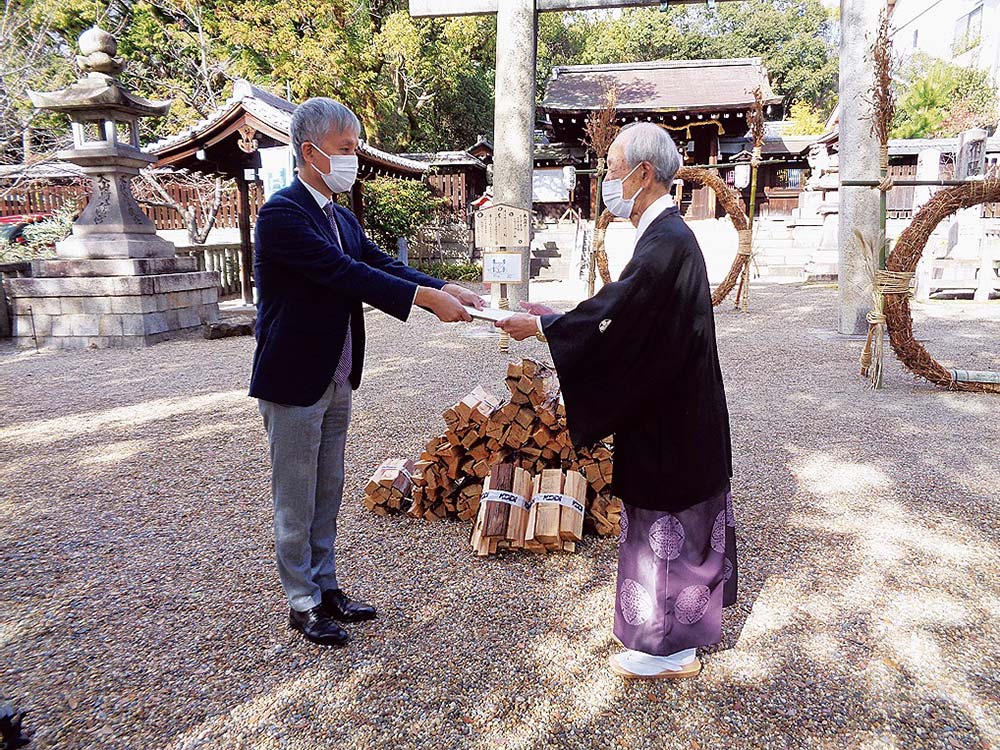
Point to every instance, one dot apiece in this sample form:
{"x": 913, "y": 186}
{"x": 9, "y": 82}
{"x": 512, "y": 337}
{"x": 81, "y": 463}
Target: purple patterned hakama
{"x": 676, "y": 571}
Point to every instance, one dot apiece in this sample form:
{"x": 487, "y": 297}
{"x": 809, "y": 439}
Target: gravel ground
{"x": 141, "y": 607}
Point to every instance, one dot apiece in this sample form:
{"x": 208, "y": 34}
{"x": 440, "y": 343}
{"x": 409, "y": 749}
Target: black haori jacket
{"x": 639, "y": 361}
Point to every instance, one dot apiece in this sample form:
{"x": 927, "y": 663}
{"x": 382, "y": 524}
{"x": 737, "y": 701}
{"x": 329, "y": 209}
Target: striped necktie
{"x": 343, "y": 371}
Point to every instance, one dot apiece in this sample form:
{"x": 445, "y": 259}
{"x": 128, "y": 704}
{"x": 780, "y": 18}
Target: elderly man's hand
{"x": 536, "y": 308}
{"x": 466, "y": 296}
{"x": 520, "y": 327}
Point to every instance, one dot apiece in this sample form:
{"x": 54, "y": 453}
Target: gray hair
{"x": 644, "y": 141}
{"x": 316, "y": 117}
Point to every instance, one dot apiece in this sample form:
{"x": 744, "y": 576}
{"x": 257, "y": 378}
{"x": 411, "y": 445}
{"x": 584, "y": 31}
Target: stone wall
{"x": 122, "y": 311}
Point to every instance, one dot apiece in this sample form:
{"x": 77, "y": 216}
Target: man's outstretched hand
{"x": 466, "y": 296}
{"x": 536, "y": 308}
{"x": 520, "y": 327}
{"x": 447, "y": 307}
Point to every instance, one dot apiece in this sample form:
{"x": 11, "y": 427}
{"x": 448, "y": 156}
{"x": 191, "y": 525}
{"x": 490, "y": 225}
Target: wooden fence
{"x": 452, "y": 188}
{"x": 227, "y": 217}
{"x": 37, "y": 197}
{"x": 224, "y": 259}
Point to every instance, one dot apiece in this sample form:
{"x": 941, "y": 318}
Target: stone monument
{"x": 825, "y": 183}
{"x": 115, "y": 283}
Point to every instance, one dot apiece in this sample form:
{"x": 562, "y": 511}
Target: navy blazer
{"x": 307, "y": 289}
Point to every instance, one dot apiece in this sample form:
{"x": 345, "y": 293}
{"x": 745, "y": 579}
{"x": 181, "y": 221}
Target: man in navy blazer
{"x": 314, "y": 267}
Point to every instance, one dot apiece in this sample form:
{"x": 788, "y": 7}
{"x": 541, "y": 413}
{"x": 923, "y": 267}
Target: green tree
{"x": 795, "y": 39}
{"x": 940, "y": 99}
{"x": 440, "y": 74}
{"x": 171, "y": 47}
{"x": 30, "y": 59}
{"x": 398, "y": 208}
{"x": 562, "y": 38}
{"x": 415, "y": 84}
{"x": 805, "y": 120}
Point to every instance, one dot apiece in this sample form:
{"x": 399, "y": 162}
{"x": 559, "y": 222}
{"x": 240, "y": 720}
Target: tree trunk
{"x": 212, "y": 213}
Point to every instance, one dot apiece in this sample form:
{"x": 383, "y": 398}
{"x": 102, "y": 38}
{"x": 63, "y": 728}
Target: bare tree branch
{"x": 199, "y": 213}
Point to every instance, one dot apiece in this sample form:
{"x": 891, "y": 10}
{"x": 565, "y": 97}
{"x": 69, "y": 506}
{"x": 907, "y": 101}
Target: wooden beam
{"x": 246, "y": 256}
{"x": 358, "y": 201}
{"x": 419, "y": 8}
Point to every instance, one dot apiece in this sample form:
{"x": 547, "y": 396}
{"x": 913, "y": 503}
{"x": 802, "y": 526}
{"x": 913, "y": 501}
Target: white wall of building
{"x": 941, "y": 28}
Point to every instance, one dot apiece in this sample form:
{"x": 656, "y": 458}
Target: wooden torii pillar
{"x": 248, "y": 144}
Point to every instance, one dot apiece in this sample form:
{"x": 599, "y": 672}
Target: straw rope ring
{"x": 730, "y": 200}
{"x": 904, "y": 258}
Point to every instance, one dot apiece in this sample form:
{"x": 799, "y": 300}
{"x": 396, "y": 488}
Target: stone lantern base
{"x": 127, "y": 302}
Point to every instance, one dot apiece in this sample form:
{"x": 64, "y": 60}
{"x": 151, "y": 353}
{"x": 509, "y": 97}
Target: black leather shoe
{"x": 339, "y": 606}
{"x": 315, "y": 624}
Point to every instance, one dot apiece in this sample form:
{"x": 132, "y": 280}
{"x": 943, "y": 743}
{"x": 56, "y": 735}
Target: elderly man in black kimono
{"x": 639, "y": 361}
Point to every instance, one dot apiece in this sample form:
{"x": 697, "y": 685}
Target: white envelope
{"x": 490, "y": 313}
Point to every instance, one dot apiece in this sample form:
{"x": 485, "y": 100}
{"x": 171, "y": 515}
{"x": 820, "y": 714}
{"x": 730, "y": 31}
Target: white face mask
{"x": 343, "y": 171}
{"x": 612, "y": 194}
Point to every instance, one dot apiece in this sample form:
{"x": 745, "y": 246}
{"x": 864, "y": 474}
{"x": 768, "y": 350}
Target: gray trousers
{"x": 307, "y": 484}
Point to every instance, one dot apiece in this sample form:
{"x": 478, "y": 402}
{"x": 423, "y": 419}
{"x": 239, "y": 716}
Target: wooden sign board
{"x": 502, "y": 268}
{"x": 420, "y": 8}
{"x": 503, "y": 226}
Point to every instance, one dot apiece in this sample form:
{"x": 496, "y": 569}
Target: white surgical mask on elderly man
{"x": 343, "y": 171}
{"x": 612, "y": 192}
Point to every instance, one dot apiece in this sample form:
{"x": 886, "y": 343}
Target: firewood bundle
{"x": 542, "y": 513}
{"x": 605, "y": 513}
{"x": 528, "y": 432}
{"x": 558, "y": 506}
{"x": 390, "y": 486}
{"x": 502, "y": 520}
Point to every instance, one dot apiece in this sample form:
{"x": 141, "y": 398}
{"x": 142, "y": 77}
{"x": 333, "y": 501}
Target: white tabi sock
{"x": 640, "y": 663}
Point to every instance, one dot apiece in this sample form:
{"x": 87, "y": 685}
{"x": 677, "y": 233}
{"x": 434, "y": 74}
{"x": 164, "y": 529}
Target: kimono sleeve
{"x": 615, "y": 352}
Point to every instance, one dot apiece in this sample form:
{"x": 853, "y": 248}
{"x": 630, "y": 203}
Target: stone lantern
{"x": 115, "y": 282}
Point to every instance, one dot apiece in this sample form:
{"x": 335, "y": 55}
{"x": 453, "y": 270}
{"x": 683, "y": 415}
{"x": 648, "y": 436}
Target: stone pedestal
{"x": 809, "y": 203}
{"x": 824, "y": 265}
{"x": 96, "y": 307}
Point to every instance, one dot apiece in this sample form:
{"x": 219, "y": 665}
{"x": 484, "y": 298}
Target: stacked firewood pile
{"x": 390, "y": 487}
{"x": 484, "y": 434}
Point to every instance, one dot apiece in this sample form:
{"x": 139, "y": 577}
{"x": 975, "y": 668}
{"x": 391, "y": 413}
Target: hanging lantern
{"x": 742, "y": 176}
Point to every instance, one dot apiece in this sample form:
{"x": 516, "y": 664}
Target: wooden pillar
{"x": 357, "y": 201}
{"x": 713, "y": 158}
{"x": 246, "y": 253}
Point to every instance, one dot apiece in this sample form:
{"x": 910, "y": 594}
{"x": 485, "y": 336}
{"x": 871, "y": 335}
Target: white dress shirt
{"x": 321, "y": 200}
{"x": 651, "y": 214}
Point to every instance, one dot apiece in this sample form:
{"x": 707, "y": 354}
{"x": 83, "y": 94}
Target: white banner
{"x": 502, "y": 496}
{"x": 557, "y": 499}
{"x": 549, "y": 186}
{"x": 276, "y": 171}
